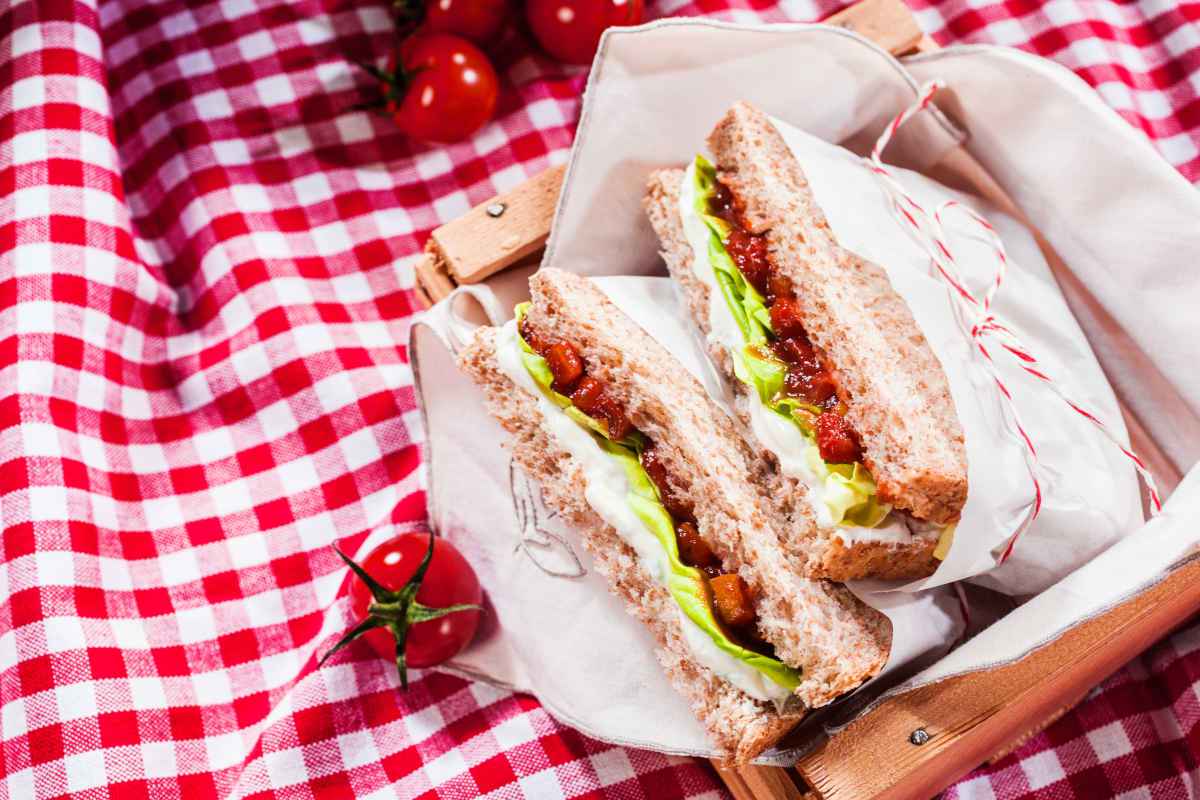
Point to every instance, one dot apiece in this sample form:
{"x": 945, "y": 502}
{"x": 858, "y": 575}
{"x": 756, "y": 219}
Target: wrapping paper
{"x": 1091, "y": 492}
{"x": 205, "y": 268}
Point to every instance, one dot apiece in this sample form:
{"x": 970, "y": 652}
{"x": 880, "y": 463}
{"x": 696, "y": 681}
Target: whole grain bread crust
{"x": 898, "y": 396}
{"x": 816, "y": 552}
{"x": 885, "y": 560}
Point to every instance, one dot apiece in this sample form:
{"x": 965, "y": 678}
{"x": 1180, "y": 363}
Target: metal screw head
{"x": 496, "y": 209}
{"x": 919, "y": 737}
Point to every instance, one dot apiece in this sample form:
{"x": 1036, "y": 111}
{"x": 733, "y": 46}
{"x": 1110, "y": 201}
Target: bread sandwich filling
{"x": 795, "y": 407}
{"x": 627, "y": 486}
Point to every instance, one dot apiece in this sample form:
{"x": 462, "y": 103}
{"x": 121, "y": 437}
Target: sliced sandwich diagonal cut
{"x": 629, "y": 449}
{"x": 834, "y": 381}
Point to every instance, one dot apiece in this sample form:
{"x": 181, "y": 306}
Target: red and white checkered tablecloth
{"x": 205, "y": 284}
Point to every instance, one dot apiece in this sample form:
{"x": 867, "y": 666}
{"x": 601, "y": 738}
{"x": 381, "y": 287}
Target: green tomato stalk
{"x": 397, "y": 610}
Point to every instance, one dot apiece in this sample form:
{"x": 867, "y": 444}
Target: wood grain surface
{"x": 974, "y": 718}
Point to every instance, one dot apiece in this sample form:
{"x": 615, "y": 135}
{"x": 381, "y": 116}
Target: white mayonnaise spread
{"x": 773, "y": 432}
{"x": 728, "y": 668}
{"x": 606, "y": 492}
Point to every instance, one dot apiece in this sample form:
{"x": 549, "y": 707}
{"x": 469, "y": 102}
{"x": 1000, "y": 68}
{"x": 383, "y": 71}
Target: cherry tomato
{"x": 570, "y": 30}
{"x": 444, "y": 90}
{"x": 448, "y": 592}
{"x": 481, "y": 21}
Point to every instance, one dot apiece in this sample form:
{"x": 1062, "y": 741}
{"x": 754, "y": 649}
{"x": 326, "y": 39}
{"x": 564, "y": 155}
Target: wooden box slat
{"x": 975, "y": 718}
{"x": 971, "y": 718}
{"x": 491, "y": 236}
{"x": 887, "y": 23}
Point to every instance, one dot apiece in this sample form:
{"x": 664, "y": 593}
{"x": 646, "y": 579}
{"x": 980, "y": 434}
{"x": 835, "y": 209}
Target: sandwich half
{"x": 834, "y": 382}
{"x": 627, "y": 447}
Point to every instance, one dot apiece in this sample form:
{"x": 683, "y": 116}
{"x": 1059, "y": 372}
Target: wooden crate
{"x": 969, "y": 719}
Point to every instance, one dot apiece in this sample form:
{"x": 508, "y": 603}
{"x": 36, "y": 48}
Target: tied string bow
{"x": 974, "y": 313}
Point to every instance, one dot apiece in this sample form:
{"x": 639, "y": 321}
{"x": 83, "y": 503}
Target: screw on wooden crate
{"x": 500, "y": 232}
{"x": 918, "y": 737}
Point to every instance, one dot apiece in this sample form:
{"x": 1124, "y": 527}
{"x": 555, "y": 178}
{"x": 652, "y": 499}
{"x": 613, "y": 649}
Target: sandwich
{"x": 834, "y": 383}
{"x": 628, "y": 448}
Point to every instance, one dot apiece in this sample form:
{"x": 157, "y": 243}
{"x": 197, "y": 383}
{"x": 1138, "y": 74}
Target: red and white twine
{"x": 975, "y": 313}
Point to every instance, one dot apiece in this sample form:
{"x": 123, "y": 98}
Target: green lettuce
{"x": 850, "y": 493}
{"x": 686, "y": 584}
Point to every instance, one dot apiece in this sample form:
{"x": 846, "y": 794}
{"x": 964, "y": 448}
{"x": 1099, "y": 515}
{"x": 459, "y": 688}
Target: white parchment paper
{"x": 1091, "y": 491}
{"x": 653, "y": 95}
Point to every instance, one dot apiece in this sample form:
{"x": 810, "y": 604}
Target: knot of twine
{"x": 974, "y": 313}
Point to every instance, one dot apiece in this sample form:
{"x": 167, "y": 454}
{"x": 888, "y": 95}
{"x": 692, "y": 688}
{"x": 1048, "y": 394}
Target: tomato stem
{"x": 394, "y": 83}
{"x": 397, "y": 610}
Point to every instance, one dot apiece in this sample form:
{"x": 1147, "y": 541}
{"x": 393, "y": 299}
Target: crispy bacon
{"x": 678, "y": 507}
{"x": 778, "y": 286}
{"x": 721, "y": 204}
{"x": 817, "y": 388}
{"x": 587, "y": 393}
{"x": 785, "y": 318}
{"x": 613, "y": 413}
{"x": 749, "y": 253}
{"x": 808, "y": 375}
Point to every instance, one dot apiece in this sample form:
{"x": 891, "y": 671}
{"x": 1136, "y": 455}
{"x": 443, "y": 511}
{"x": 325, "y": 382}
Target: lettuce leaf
{"x": 749, "y": 307}
{"x": 766, "y": 373}
{"x": 803, "y": 414}
{"x": 849, "y": 490}
{"x": 686, "y": 584}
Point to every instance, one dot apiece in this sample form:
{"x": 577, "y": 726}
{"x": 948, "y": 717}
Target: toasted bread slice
{"x": 818, "y": 627}
{"x": 818, "y": 552}
{"x": 898, "y": 396}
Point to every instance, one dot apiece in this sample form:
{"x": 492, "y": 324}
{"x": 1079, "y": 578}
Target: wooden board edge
{"x": 500, "y": 231}
{"x": 431, "y": 281}
{"x": 977, "y": 717}
{"x": 888, "y": 23}
{"x": 761, "y": 783}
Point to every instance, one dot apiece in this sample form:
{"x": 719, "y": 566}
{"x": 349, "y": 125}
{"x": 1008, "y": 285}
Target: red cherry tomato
{"x": 445, "y": 91}
{"x": 481, "y": 21}
{"x": 570, "y": 30}
{"x": 449, "y": 581}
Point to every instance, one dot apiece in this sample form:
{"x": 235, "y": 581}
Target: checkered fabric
{"x": 205, "y": 286}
